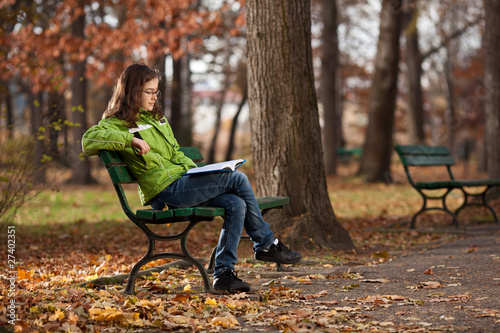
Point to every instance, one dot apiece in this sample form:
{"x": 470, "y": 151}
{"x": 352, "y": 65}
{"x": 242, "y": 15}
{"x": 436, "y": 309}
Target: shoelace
{"x": 282, "y": 248}
{"x": 234, "y": 275}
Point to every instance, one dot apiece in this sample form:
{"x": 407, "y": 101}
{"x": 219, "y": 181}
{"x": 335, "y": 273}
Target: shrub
{"x": 16, "y": 177}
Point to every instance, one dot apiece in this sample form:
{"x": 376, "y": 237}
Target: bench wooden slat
{"x": 422, "y": 150}
{"x": 121, "y": 175}
{"x": 477, "y": 182}
{"x": 436, "y": 185}
{"x": 272, "y": 202}
{"x": 421, "y": 160}
{"x": 457, "y": 183}
{"x": 209, "y": 211}
{"x": 110, "y": 157}
{"x": 153, "y": 214}
{"x": 192, "y": 152}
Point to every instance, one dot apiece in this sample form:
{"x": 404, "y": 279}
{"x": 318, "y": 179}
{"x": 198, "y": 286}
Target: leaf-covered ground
{"x": 56, "y": 261}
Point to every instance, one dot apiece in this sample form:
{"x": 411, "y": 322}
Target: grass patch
{"x": 75, "y": 204}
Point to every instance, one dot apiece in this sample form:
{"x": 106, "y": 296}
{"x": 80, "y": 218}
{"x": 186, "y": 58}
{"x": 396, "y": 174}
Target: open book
{"x": 227, "y": 166}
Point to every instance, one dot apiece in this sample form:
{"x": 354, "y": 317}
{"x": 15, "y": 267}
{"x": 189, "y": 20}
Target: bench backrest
{"x": 120, "y": 173}
{"x": 424, "y": 155}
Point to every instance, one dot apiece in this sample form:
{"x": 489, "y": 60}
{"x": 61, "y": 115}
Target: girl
{"x": 134, "y": 125}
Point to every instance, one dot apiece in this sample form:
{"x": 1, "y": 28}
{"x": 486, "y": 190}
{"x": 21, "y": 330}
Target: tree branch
{"x": 448, "y": 38}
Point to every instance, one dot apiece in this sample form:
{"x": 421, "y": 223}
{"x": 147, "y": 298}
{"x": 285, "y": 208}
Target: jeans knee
{"x": 237, "y": 206}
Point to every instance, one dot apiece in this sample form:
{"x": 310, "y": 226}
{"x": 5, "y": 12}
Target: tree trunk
{"x": 230, "y": 146}
{"x": 450, "y": 99}
{"x": 80, "y": 163}
{"x": 180, "y": 116}
{"x": 218, "y": 116}
{"x": 413, "y": 63}
{"x": 377, "y": 149}
{"x": 176, "y": 97}
{"x": 56, "y": 118}
{"x": 162, "y": 86}
{"x": 226, "y": 83}
{"x": 36, "y": 103}
{"x": 10, "y": 114}
{"x": 285, "y": 130}
{"x": 9, "y": 110}
{"x": 492, "y": 83}
{"x": 330, "y": 94}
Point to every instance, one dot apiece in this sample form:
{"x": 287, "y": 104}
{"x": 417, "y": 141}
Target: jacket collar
{"x": 144, "y": 112}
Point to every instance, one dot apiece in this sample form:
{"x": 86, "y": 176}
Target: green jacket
{"x": 157, "y": 169}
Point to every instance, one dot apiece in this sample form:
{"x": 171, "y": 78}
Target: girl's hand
{"x": 141, "y": 145}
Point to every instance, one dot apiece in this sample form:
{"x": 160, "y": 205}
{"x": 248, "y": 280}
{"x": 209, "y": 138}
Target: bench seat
{"x": 458, "y": 183}
{"x": 156, "y": 216}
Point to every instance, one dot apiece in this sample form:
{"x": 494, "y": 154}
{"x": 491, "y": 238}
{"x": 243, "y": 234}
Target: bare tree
{"x": 330, "y": 86}
{"x": 492, "y": 83}
{"x": 285, "y": 130}
{"x": 80, "y": 164}
{"x": 413, "y": 61}
{"x": 377, "y": 149}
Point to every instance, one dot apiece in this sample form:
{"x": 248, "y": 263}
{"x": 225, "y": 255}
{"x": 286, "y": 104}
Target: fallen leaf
{"x": 394, "y": 297}
{"x": 57, "y": 315}
{"x": 346, "y": 309}
{"x": 269, "y": 283}
{"x": 227, "y": 321}
{"x": 382, "y": 254}
{"x": 430, "y": 285}
{"x": 386, "y": 324}
{"x": 351, "y": 286}
{"x": 182, "y": 320}
{"x": 24, "y": 275}
{"x": 429, "y": 271}
{"x": 376, "y": 280}
{"x": 180, "y": 298}
{"x": 321, "y": 293}
{"x": 210, "y": 301}
{"x": 487, "y": 313}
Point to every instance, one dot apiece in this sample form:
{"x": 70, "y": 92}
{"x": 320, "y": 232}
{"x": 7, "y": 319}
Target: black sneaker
{"x": 229, "y": 281}
{"x": 279, "y": 253}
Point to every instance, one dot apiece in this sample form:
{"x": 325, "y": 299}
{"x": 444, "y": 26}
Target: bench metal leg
{"x": 424, "y": 208}
{"x": 130, "y": 288}
{"x": 482, "y": 202}
{"x": 185, "y": 255}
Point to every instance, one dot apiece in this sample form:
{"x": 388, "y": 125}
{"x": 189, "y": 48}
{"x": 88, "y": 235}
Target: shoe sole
{"x": 238, "y": 290}
{"x": 272, "y": 259}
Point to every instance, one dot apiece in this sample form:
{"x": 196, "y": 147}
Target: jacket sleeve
{"x": 107, "y": 135}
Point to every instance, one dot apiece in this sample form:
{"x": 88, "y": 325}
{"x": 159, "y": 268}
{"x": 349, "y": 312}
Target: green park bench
{"x": 120, "y": 174}
{"x": 439, "y": 156}
{"x": 349, "y": 154}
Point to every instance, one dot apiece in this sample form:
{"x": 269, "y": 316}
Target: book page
{"x": 222, "y": 166}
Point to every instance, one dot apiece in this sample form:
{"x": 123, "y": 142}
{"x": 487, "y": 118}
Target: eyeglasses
{"x": 151, "y": 93}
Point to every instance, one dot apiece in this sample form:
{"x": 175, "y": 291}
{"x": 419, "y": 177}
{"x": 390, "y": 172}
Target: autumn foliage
{"x": 39, "y": 47}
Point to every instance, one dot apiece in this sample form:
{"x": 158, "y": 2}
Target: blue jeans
{"x": 231, "y": 191}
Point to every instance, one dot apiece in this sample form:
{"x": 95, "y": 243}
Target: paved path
{"x": 449, "y": 287}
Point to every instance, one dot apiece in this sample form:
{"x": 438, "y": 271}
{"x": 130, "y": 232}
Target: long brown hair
{"x": 126, "y": 100}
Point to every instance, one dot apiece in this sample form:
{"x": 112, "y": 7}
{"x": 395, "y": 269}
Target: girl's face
{"x": 149, "y": 94}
